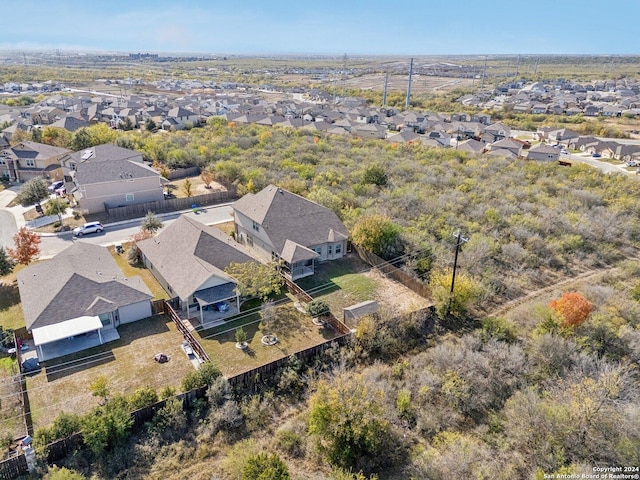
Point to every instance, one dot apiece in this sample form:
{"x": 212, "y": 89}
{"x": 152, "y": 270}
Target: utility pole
{"x": 459, "y": 241}
{"x": 384, "y": 92}
{"x": 484, "y": 72}
{"x": 408, "y": 100}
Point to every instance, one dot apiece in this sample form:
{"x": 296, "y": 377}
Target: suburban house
{"x": 542, "y": 152}
{"x": 188, "y": 259}
{"x": 77, "y": 299}
{"x": 280, "y": 225}
{"x": 106, "y": 178}
{"x": 28, "y": 160}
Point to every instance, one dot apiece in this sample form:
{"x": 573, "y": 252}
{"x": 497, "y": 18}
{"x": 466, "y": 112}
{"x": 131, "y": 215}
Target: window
{"x": 250, "y": 240}
{"x": 30, "y": 163}
{"x": 318, "y": 250}
{"x": 256, "y": 226}
{"x": 330, "y": 250}
{"x": 338, "y": 248}
{"x": 129, "y": 197}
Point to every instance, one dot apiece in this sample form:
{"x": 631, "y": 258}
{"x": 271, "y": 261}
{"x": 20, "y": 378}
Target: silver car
{"x": 90, "y": 227}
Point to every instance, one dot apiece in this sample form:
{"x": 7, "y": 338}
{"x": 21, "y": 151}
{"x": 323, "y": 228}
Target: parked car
{"x": 596, "y": 155}
{"x": 55, "y": 186}
{"x": 633, "y": 163}
{"x": 30, "y": 365}
{"x": 90, "y": 227}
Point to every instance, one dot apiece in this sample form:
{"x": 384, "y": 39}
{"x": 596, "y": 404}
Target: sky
{"x": 366, "y": 27}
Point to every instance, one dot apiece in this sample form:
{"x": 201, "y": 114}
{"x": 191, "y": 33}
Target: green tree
{"x": 317, "y": 308}
{"x": 263, "y": 466}
{"x": 126, "y": 124}
{"x": 205, "y": 375}
{"x": 375, "y": 175}
{"x": 379, "y": 235}
{"x": 100, "y": 388}
{"x": 142, "y": 397}
{"x": 33, "y": 191}
{"x": 241, "y": 335}
{"x": 151, "y": 223}
{"x": 150, "y": 125}
{"x": 6, "y": 263}
{"x": 466, "y": 291}
{"x": 255, "y": 279}
{"x": 350, "y": 433}
{"x": 63, "y": 473}
{"x": 81, "y": 139}
{"x": 107, "y": 426}
{"x": 56, "y": 206}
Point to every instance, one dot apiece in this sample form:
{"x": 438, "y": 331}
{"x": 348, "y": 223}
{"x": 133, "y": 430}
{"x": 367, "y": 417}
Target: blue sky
{"x": 418, "y": 27}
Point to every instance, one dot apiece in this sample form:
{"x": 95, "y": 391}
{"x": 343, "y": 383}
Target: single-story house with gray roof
{"x": 188, "y": 259}
{"x": 77, "y": 299}
{"x": 280, "y": 225}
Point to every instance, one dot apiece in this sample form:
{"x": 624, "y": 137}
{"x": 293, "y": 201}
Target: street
{"x": 112, "y": 234}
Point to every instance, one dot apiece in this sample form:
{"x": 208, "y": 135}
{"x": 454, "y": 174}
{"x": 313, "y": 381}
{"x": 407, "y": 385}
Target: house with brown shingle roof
{"x": 77, "y": 299}
{"x": 28, "y": 160}
{"x": 188, "y": 259}
{"x": 280, "y": 225}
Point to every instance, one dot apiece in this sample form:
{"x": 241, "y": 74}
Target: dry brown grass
{"x": 198, "y": 187}
{"x": 295, "y": 332}
{"x": 11, "y": 418}
{"x": 11, "y": 315}
{"x": 131, "y": 271}
{"x": 127, "y": 363}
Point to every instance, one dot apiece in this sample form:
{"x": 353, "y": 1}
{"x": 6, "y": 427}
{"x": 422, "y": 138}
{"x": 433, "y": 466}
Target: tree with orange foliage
{"x": 27, "y": 246}
{"x": 573, "y": 307}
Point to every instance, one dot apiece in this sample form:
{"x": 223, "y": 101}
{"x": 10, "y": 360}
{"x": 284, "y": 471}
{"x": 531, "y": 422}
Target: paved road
{"x": 7, "y": 228}
{"x": 113, "y": 234}
{"x": 601, "y": 165}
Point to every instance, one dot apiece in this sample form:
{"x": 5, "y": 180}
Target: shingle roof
{"x": 106, "y": 151}
{"x": 187, "y": 253}
{"x": 83, "y": 279}
{"x": 286, "y": 216}
{"x": 113, "y": 170}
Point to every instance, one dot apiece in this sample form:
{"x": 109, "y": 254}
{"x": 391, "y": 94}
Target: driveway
{"x": 601, "y": 165}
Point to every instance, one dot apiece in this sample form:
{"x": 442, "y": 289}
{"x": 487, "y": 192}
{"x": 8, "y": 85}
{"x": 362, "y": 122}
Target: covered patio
{"x": 71, "y": 336}
{"x": 299, "y": 261}
{"x": 217, "y": 303}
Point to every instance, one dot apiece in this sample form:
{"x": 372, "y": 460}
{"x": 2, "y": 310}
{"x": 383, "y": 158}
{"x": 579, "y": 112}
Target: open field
{"x": 419, "y": 83}
{"x": 295, "y": 332}
{"x": 63, "y": 385}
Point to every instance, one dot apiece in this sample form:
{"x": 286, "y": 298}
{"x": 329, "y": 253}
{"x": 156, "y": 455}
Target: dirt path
{"x": 503, "y": 309}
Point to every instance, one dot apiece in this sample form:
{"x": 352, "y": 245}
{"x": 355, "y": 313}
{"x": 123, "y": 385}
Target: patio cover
{"x": 216, "y": 294}
{"x": 66, "y": 329}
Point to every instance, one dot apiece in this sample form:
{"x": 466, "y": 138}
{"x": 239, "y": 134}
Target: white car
{"x": 91, "y": 227}
{"x": 55, "y": 186}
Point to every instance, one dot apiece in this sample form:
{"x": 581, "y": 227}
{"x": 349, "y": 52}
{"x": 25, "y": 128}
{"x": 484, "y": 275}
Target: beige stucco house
{"x": 280, "y": 225}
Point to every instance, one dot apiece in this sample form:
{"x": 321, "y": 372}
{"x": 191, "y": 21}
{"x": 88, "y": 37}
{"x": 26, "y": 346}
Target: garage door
{"x": 135, "y": 311}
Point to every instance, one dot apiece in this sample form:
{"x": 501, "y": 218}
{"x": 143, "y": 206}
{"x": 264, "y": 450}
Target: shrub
{"x": 265, "y": 467}
{"x": 317, "y": 308}
{"x": 205, "y": 375}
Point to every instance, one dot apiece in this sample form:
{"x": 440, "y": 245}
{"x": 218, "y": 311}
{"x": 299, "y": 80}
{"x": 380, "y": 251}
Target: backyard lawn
{"x": 11, "y": 315}
{"x": 295, "y": 332}
{"x": 11, "y": 419}
{"x": 127, "y": 363}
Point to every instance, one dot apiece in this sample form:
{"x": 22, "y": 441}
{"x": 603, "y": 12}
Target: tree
{"x": 466, "y": 291}
{"x": 107, "y": 426}
{"x": 100, "y": 388}
{"x": 255, "y": 279}
{"x": 33, "y": 191}
{"x": 187, "y": 187}
{"x": 317, "y": 308}
{"x": 126, "y": 125}
{"x": 205, "y": 375}
{"x": 376, "y": 175}
{"x": 150, "y": 125}
{"x": 263, "y": 466}
{"x": 151, "y": 223}
{"x": 63, "y": 473}
{"x": 379, "y": 235}
{"x": 27, "y": 246}
{"x": 207, "y": 178}
{"x": 142, "y": 397}
{"x": 6, "y": 263}
{"x": 241, "y": 335}
{"x": 81, "y": 139}
{"x": 573, "y": 308}
{"x": 56, "y": 206}
{"x": 353, "y": 433}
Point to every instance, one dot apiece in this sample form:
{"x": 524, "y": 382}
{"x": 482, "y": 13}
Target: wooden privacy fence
{"x": 183, "y": 172}
{"x": 391, "y": 271}
{"x": 13, "y": 467}
{"x": 188, "y": 336}
{"x": 169, "y": 204}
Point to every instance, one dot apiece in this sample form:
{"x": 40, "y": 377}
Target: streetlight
{"x": 459, "y": 241}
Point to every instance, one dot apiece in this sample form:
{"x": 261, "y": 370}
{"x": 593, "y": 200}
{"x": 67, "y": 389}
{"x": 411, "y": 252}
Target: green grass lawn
{"x": 295, "y": 332}
{"x": 11, "y": 418}
{"x": 127, "y": 363}
{"x": 340, "y": 283}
